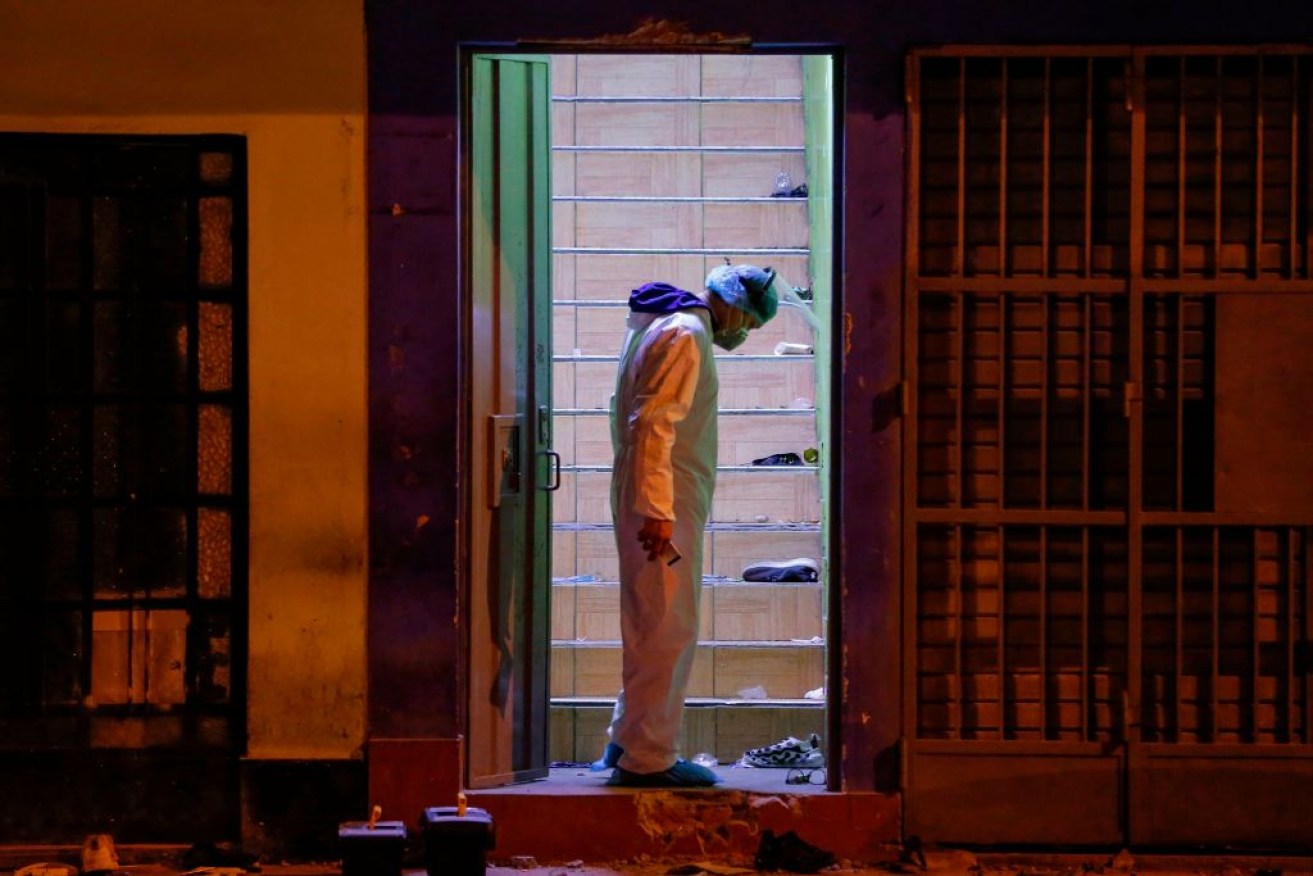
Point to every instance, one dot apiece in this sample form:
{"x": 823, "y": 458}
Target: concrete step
{"x": 723, "y": 728}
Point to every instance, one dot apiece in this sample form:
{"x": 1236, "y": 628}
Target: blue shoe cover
{"x": 609, "y": 760}
{"x": 682, "y": 775}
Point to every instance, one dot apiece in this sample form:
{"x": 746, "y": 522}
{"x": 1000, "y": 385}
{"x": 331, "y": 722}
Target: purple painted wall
{"x": 414, "y": 314}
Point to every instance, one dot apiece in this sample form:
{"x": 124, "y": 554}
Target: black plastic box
{"x": 371, "y": 851}
{"x": 457, "y": 845}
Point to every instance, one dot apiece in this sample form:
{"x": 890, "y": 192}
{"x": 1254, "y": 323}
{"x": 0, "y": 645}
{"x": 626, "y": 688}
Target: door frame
{"x": 467, "y": 429}
{"x": 500, "y": 412}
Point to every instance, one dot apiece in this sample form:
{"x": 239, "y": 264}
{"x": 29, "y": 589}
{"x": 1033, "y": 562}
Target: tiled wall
{"x": 652, "y": 181}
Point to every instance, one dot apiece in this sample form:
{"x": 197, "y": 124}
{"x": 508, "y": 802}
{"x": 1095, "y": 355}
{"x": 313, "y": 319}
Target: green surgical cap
{"x": 746, "y": 287}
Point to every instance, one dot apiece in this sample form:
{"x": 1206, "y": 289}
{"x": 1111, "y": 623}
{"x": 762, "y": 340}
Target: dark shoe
{"x": 779, "y": 459}
{"x": 609, "y": 760}
{"x": 682, "y": 775}
{"x": 797, "y": 569}
{"x": 791, "y": 852}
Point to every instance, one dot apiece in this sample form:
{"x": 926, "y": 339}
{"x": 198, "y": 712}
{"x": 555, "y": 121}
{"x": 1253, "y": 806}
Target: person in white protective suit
{"x": 663, "y": 433}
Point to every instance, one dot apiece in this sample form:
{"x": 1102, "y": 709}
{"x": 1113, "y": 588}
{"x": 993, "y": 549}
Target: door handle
{"x": 555, "y": 483}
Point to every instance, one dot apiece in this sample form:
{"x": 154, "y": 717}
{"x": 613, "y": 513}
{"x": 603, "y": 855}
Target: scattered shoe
{"x": 220, "y": 855}
{"x": 779, "y": 459}
{"x": 790, "y": 752}
{"x": 609, "y": 760}
{"x": 791, "y": 852}
{"x": 784, "y": 348}
{"x": 798, "y": 191}
{"x": 797, "y": 569}
{"x": 682, "y": 775}
{"x": 98, "y": 855}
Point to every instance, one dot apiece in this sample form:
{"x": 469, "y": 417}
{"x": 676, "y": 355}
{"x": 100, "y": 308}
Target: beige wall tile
{"x": 592, "y": 443}
{"x": 564, "y": 166}
{"x": 746, "y": 383}
{"x": 596, "y": 554}
{"x": 598, "y": 612}
{"x": 594, "y": 384}
{"x": 563, "y": 223}
{"x": 563, "y": 74}
{"x": 751, "y": 175}
{"x": 743, "y": 439}
{"x": 564, "y": 318}
{"x": 564, "y": 390}
{"x": 699, "y": 731}
{"x": 766, "y": 612}
{"x": 560, "y": 733}
{"x": 638, "y": 75}
{"x": 749, "y": 124}
{"x": 563, "y": 281}
{"x": 600, "y": 330}
{"x": 594, "y": 496}
{"x": 597, "y": 671}
{"x": 564, "y": 117}
{"x": 752, "y": 75}
{"x": 563, "y": 611}
{"x": 731, "y": 551}
{"x": 637, "y": 124}
{"x": 742, "y": 727}
{"x": 562, "y": 671}
{"x": 611, "y": 277}
{"x": 563, "y": 429}
{"x": 565, "y": 501}
{"x": 781, "y": 222}
{"x": 783, "y": 671}
{"x": 701, "y": 681}
{"x": 563, "y": 554}
{"x": 706, "y": 613}
{"x": 590, "y": 723}
{"x": 639, "y": 224}
{"x": 780, "y": 497}
{"x": 647, "y": 174}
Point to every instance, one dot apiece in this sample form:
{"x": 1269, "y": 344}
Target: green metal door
{"x": 512, "y": 468}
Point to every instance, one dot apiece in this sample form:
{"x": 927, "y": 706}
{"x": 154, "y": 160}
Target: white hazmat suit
{"x": 663, "y": 433}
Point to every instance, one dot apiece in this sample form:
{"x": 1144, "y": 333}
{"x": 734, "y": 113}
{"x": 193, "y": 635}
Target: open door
{"x": 508, "y": 433}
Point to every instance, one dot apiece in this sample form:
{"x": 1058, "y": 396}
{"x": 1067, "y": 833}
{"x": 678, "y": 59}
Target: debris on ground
{"x": 1123, "y": 861}
{"x": 791, "y": 852}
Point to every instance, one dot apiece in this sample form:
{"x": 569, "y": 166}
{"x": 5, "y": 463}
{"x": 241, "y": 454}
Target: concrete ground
{"x": 939, "y": 862}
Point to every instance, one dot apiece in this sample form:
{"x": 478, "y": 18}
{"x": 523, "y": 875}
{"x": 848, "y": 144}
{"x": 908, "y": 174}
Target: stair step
{"x": 580, "y": 549}
{"x": 730, "y": 612}
{"x": 723, "y": 728}
{"x": 778, "y": 669}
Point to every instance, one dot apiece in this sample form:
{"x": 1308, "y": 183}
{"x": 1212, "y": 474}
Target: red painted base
{"x": 406, "y": 776}
{"x": 618, "y": 824}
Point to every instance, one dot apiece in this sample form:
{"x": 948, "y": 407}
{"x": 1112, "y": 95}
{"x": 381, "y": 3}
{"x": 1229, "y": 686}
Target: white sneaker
{"x": 786, "y": 753}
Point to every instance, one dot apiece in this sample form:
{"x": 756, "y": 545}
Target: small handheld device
{"x": 671, "y": 554}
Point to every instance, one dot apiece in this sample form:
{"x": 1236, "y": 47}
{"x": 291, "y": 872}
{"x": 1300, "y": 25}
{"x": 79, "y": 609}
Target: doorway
{"x": 663, "y": 166}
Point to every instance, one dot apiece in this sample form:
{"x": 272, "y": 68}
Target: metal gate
{"x": 1109, "y": 489}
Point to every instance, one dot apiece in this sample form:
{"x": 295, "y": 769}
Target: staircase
{"x": 663, "y": 167}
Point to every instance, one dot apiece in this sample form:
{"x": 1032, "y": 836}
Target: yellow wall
{"x": 290, "y": 76}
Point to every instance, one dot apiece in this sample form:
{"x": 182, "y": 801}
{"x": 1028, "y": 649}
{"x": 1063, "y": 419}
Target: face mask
{"x": 728, "y": 339}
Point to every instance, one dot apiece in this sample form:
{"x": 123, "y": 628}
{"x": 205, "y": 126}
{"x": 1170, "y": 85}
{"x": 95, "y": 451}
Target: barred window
{"x": 122, "y": 441}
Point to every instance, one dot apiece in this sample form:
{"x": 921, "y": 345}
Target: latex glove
{"x": 655, "y": 536}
